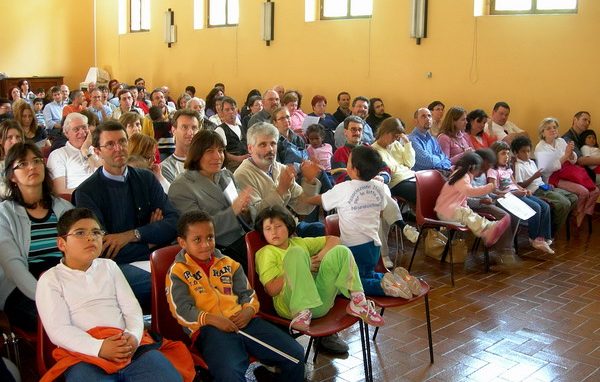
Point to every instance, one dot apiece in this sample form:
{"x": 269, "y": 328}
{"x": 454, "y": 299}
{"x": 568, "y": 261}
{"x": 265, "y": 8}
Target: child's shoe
{"x": 394, "y": 286}
{"x": 302, "y": 321}
{"x": 411, "y": 233}
{"x": 541, "y": 244}
{"x": 364, "y": 309}
{"x": 387, "y": 262}
{"x": 495, "y": 230}
{"x": 412, "y": 282}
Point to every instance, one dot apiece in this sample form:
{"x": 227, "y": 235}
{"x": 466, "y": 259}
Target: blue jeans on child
{"x": 150, "y": 366}
{"x": 539, "y": 225}
{"x": 366, "y": 256}
{"x": 227, "y": 354}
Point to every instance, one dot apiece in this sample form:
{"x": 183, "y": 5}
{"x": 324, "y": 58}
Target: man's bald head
{"x": 423, "y": 119}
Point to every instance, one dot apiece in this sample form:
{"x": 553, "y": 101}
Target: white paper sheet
{"x": 230, "y": 192}
{"x": 143, "y": 265}
{"x": 516, "y": 207}
{"x": 545, "y": 160}
{"x": 309, "y": 120}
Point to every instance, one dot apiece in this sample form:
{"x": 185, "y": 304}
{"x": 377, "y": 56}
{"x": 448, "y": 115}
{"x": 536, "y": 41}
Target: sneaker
{"x": 301, "y": 322}
{"x": 412, "y": 282}
{"x": 549, "y": 241}
{"x": 333, "y": 344}
{"x": 387, "y": 262}
{"x": 493, "y": 232}
{"x": 395, "y": 287}
{"x": 541, "y": 245}
{"x": 411, "y": 233}
{"x": 365, "y": 310}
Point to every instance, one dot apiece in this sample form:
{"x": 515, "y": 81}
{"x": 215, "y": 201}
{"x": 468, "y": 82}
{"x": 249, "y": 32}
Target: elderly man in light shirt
{"x": 73, "y": 163}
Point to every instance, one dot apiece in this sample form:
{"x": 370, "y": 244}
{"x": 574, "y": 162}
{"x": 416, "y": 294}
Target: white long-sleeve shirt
{"x": 71, "y": 302}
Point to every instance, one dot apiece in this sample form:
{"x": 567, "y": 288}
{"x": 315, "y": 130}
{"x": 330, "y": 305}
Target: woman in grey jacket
{"x": 206, "y": 185}
{"x": 28, "y": 219}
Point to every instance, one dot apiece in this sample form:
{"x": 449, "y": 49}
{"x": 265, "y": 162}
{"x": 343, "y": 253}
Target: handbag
{"x": 435, "y": 242}
{"x": 572, "y": 173}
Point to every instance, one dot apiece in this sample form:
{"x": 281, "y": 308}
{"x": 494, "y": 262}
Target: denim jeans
{"x": 538, "y": 224}
{"x": 305, "y": 229}
{"x": 227, "y": 354}
{"x": 151, "y": 366}
{"x": 140, "y": 283}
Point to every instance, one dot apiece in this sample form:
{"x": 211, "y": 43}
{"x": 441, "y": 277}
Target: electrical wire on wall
{"x": 474, "y": 69}
{"x": 370, "y": 43}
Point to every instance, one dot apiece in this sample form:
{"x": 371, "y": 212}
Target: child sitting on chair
{"x": 90, "y": 313}
{"x": 451, "y": 204}
{"x": 211, "y": 298}
{"x": 360, "y": 203}
{"x": 304, "y": 275}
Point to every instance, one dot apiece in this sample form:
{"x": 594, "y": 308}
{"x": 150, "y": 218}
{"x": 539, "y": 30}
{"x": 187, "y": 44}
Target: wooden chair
{"x": 335, "y": 321}
{"x": 332, "y": 227}
{"x": 429, "y": 186}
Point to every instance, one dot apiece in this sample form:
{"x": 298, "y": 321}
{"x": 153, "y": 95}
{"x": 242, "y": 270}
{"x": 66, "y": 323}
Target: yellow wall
{"x": 47, "y": 38}
{"x": 541, "y": 65}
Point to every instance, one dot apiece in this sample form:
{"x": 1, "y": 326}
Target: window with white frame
{"x": 504, "y": 7}
{"x": 139, "y": 15}
{"x": 346, "y": 9}
{"x": 223, "y": 13}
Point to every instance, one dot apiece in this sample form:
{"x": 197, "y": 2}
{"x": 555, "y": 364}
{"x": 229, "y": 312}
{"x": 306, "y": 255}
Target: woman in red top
{"x": 476, "y": 121}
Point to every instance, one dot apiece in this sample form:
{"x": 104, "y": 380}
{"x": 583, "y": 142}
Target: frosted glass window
{"x": 338, "y": 9}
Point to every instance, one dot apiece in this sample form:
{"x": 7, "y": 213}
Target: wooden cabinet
{"x": 34, "y": 83}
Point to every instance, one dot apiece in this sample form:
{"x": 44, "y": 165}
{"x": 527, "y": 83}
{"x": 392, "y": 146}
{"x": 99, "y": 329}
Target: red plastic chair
{"x": 335, "y": 321}
{"x": 44, "y": 348}
{"x": 163, "y": 321}
{"x": 332, "y": 227}
{"x": 429, "y": 186}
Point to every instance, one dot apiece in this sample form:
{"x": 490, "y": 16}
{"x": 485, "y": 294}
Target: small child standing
{"x": 317, "y": 149}
{"x": 211, "y": 298}
{"x": 38, "y": 105}
{"x": 360, "y": 203}
{"x": 89, "y": 311}
{"x": 452, "y": 204}
{"x": 528, "y": 176}
{"x": 304, "y": 275}
{"x": 501, "y": 176}
{"x": 590, "y": 149}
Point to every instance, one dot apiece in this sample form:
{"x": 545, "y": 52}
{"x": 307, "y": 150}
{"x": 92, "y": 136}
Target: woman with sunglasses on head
{"x": 28, "y": 220}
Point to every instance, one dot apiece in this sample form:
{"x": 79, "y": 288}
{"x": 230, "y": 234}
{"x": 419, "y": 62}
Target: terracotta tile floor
{"x": 537, "y": 322}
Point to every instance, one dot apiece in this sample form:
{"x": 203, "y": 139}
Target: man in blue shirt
{"x": 53, "y": 111}
{"x": 428, "y": 153}
{"x": 360, "y": 108}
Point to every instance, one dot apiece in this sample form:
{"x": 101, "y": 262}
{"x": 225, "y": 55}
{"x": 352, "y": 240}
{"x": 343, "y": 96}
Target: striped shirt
{"x": 43, "y": 252}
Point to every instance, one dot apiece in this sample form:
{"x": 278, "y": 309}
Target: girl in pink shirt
{"x": 451, "y": 204}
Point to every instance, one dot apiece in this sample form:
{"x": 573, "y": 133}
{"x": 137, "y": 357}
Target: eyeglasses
{"x": 95, "y": 234}
{"x": 356, "y": 130}
{"x": 122, "y": 143}
{"x": 22, "y": 165}
{"x": 284, "y": 118}
{"x": 77, "y": 129}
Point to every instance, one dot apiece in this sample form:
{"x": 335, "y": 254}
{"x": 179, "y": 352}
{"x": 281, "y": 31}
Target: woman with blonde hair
{"x": 142, "y": 154}
{"x": 453, "y": 140}
{"x": 132, "y": 122}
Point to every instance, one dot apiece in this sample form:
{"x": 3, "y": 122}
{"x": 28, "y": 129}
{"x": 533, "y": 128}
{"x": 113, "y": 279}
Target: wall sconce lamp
{"x": 418, "y": 20}
{"x": 268, "y": 22}
{"x": 170, "y": 28}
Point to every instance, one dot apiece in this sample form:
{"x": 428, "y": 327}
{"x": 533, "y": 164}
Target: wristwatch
{"x": 138, "y": 236}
